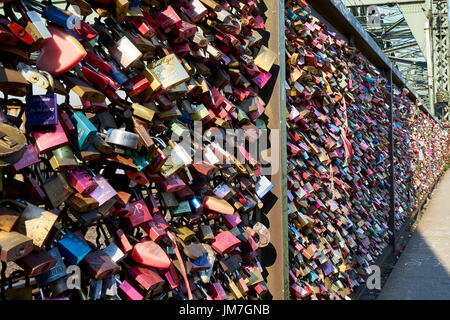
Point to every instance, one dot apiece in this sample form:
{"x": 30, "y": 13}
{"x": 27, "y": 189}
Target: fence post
{"x": 391, "y": 221}
{"x": 275, "y": 257}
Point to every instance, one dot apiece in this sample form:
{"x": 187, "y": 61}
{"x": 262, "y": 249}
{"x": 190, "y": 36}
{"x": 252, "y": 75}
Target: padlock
{"x": 7, "y": 37}
{"x": 12, "y": 144}
{"x": 34, "y": 25}
{"x": 52, "y": 58}
{"x": 36, "y": 263}
{"x": 56, "y": 188}
{"x": 225, "y": 242}
{"x": 143, "y": 112}
{"x": 19, "y": 293}
{"x": 217, "y": 205}
{"x": 62, "y": 159}
{"x": 56, "y": 272}
{"x": 14, "y": 245}
{"x": 122, "y": 138}
{"x": 130, "y": 293}
{"x": 28, "y": 158}
{"x": 169, "y": 71}
{"x": 36, "y": 223}
{"x": 120, "y": 47}
{"x": 81, "y": 203}
{"x": 149, "y": 253}
{"x": 17, "y": 30}
{"x": 95, "y": 289}
{"x": 103, "y": 192}
{"x": 83, "y": 90}
{"x": 113, "y": 251}
{"x": 99, "y": 79}
{"x": 148, "y": 278}
{"x": 41, "y": 110}
{"x": 85, "y": 129}
{"x": 50, "y": 138}
{"x": 73, "y": 248}
{"x": 82, "y": 181}
{"x": 100, "y": 265}
{"x": 139, "y": 212}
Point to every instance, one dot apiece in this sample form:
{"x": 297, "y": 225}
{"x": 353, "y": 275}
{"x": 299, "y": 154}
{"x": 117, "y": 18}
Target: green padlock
{"x": 200, "y": 112}
{"x": 178, "y": 129}
{"x": 241, "y": 115}
{"x": 140, "y": 161}
{"x": 183, "y": 207}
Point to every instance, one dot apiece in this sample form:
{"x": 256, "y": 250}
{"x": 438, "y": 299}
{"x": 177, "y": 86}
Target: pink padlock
{"x": 217, "y": 291}
{"x": 50, "y": 139}
{"x": 225, "y": 242}
{"x": 82, "y": 181}
{"x": 149, "y": 253}
{"x": 130, "y": 292}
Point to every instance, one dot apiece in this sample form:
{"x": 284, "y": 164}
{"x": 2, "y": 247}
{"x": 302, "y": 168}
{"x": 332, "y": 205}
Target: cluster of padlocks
{"x": 338, "y": 159}
{"x": 100, "y": 198}
{"x": 130, "y": 152}
{"x": 429, "y": 149}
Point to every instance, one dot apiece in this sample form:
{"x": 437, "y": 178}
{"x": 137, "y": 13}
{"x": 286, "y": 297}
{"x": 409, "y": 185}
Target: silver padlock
{"x": 123, "y": 138}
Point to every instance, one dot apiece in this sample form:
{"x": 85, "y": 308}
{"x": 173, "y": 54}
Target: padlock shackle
{"x": 38, "y": 172}
{"x": 85, "y": 167}
{"x": 17, "y": 275}
{"x": 33, "y": 5}
{"x": 13, "y": 202}
{"x": 15, "y": 101}
{"x": 136, "y": 195}
{"x": 21, "y": 7}
{"x": 159, "y": 141}
{"x": 9, "y": 12}
{"x": 51, "y": 82}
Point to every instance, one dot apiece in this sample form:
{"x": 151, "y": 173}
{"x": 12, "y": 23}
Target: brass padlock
{"x": 8, "y": 216}
{"x": 81, "y": 203}
{"x": 14, "y": 245}
{"x": 36, "y": 223}
{"x": 13, "y": 83}
{"x": 16, "y": 292}
{"x": 12, "y": 144}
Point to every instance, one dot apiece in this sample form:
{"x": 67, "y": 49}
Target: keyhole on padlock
{"x": 45, "y": 267}
{"x": 21, "y": 33}
{"x": 20, "y": 252}
{"x": 34, "y": 79}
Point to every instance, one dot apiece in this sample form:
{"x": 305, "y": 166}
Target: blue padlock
{"x": 135, "y": 3}
{"x": 55, "y": 273}
{"x": 41, "y": 110}
{"x": 54, "y": 14}
{"x": 201, "y": 263}
{"x": 85, "y": 129}
{"x": 291, "y": 15}
{"x": 116, "y": 73}
{"x": 72, "y": 248}
{"x": 185, "y": 117}
{"x": 195, "y": 204}
{"x": 305, "y": 155}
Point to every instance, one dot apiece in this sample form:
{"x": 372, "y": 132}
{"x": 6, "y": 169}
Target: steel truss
{"x": 402, "y": 35}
